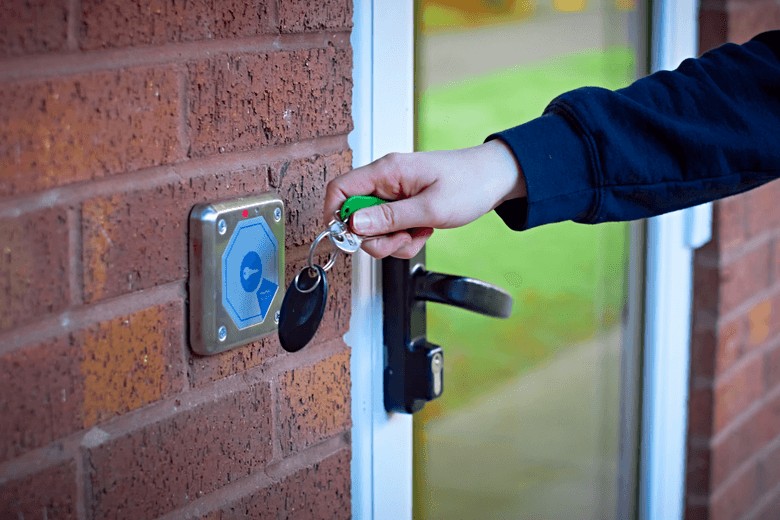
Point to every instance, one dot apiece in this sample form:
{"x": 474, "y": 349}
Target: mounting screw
{"x": 222, "y": 333}
{"x": 278, "y": 214}
{"x": 222, "y": 226}
{"x": 276, "y": 316}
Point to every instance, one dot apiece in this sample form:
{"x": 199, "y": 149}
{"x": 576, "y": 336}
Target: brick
{"x": 772, "y": 367}
{"x": 770, "y": 466}
{"x": 62, "y": 385}
{"x": 696, "y": 512}
{"x": 44, "y": 395}
{"x": 774, "y": 319}
{"x": 768, "y": 421}
{"x": 132, "y": 361}
{"x": 71, "y": 129}
{"x": 702, "y": 353}
{"x": 301, "y": 184}
{"x": 118, "y": 23}
{"x": 713, "y": 28}
{"x": 244, "y": 101}
{"x": 729, "y": 222}
{"x": 730, "y": 344}
{"x": 763, "y": 215}
{"x": 697, "y": 471}
{"x": 33, "y": 266}
{"x": 744, "y": 277}
{"x": 319, "y": 492}
{"x": 737, "y": 498}
{"x": 314, "y": 403}
{"x": 776, "y": 262}
{"x": 138, "y": 239}
{"x": 33, "y": 26}
{"x": 304, "y": 16}
{"x": 759, "y": 322}
{"x": 700, "y": 412}
{"x": 716, "y": 350}
{"x": 205, "y": 369}
{"x": 162, "y": 466}
{"x": 734, "y": 393}
{"x": 747, "y": 19}
{"x": 706, "y": 287}
{"x": 770, "y": 508}
{"x": 50, "y": 493}
{"x": 739, "y": 445}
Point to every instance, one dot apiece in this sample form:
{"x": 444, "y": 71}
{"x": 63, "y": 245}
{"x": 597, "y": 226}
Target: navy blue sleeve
{"x": 673, "y": 139}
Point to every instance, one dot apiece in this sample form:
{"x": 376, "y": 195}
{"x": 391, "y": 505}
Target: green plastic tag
{"x": 357, "y": 202}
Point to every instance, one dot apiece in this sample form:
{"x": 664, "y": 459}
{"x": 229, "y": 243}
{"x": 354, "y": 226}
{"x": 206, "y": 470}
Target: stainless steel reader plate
{"x": 236, "y": 271}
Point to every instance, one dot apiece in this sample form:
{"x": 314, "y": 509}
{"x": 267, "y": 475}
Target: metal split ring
{"x": 310, "y": 289}
{"x": 331, "y": 261}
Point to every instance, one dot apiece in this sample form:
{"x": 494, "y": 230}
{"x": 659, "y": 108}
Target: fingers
{"x": 393, "y": 177}
{"x": 393, "y": 216}
{"x": 378, "y": 178}
{"x": 403, "y": 244}
{"x": 419, "y": 237}
{"x": 356, "y": 182}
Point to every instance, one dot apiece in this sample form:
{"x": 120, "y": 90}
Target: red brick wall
{"x": 734, "y": 427}
{"x": 115, "y": 118}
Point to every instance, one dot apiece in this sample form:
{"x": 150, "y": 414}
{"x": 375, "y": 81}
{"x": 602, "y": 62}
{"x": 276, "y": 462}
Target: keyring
{"x": 333, "y": 256}
{"x": 310, "y": 289}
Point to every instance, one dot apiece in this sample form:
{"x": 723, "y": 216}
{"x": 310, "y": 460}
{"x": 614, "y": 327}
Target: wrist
{"x": 503, "y": 164}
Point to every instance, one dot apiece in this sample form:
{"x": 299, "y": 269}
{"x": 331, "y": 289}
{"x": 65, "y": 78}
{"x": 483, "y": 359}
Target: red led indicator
{"x": 245, "y": 213}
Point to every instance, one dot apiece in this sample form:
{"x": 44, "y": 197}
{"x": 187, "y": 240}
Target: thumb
{"x": 390, "y": 217}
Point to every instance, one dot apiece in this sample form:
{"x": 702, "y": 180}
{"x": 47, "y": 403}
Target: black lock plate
{"x": 414, "y": 371}
{"x": 404, "y": 325}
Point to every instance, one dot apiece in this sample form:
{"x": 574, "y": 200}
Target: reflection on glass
{"x": 528, "y": 426}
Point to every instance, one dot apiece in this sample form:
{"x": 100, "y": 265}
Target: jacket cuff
{"x": 560, "y": 181}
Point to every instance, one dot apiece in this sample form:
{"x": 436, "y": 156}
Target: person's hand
{"x": 429, "y": 190}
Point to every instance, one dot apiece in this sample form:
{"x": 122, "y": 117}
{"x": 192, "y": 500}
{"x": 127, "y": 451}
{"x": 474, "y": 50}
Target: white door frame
{"x": 671, "y": 239}
{"x": 383, "y": 114}
{"x": 382, "y": 109}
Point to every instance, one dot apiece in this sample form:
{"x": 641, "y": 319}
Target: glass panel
{"x": 529, "y": 423}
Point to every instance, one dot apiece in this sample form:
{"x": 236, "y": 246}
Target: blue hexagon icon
{"x": 250, "y": 272}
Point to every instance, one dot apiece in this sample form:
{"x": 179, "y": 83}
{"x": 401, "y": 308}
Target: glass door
{"x": 538, "y": 417}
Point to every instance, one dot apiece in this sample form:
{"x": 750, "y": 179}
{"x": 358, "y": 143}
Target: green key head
{"x": 357, "y": 202}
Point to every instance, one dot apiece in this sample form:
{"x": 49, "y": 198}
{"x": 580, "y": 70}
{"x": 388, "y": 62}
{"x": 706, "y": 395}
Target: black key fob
{"x": 302, "y": 308}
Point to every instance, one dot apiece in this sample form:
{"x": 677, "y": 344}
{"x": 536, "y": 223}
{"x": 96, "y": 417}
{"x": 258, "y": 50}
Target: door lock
{"x": 414, "y": 367}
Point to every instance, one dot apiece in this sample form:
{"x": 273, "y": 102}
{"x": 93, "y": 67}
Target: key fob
{"x": 302, "y": 308}
{"x": 357, "y": 202}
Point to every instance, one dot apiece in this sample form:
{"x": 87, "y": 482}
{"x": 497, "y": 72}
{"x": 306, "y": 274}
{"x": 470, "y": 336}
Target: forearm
{"x": 671, "y": 140}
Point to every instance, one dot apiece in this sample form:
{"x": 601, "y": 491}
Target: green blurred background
{"x": 567, "y": 279}
{"x": 528, "y": 423}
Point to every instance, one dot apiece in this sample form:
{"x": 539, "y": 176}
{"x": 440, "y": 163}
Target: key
{"x": 302, "y": 308}
{"x": 304, "y": 302}
{"x": 343, "y": 238}
{"x": 340, "y": 235}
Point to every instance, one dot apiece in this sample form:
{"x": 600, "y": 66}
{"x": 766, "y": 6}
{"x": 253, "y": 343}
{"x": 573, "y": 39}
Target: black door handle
{"x": 467, "y": 293}
{"x": 413, "y": 366}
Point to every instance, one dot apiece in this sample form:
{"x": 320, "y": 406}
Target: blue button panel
{"x": 250, "y": 272}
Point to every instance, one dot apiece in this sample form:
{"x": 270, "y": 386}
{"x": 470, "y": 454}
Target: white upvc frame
{"x": 671, "y": 240}
{"x": 383, "y": 114}
{"x": 382, "y": 42}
